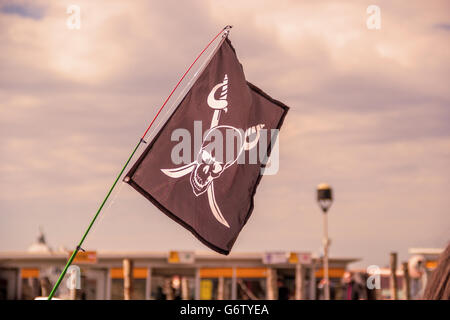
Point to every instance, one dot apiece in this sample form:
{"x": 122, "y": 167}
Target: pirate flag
{"x": 208, "y": 187}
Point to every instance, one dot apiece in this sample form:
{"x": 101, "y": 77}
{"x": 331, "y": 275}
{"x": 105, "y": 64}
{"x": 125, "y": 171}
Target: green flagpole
{"x": 225, "y": 32}
{"x": 78, "y": 248}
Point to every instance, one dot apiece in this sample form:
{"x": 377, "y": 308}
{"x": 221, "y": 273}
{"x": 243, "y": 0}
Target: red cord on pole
{"x": 181, "y": 79}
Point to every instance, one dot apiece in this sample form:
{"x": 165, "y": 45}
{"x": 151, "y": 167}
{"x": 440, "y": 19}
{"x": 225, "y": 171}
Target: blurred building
{"x": 421, "y": 264}
{"x": 166, "y": 275}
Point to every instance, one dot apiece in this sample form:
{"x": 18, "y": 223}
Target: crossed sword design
{"x": 218, "y": 105}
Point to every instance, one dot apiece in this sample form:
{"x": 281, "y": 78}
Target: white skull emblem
{"x": 207, "y": 167}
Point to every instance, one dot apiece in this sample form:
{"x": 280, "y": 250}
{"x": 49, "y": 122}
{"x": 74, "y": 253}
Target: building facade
{"x": 166, "y": 275}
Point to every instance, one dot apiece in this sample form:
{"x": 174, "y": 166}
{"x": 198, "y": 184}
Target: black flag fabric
{"x": 199, "y": 169}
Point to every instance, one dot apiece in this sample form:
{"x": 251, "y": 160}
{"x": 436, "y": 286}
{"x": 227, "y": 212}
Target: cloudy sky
{"x": 369, "y": 115}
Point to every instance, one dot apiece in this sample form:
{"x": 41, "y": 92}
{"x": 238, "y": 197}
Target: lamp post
{"x": 325, "y": 198}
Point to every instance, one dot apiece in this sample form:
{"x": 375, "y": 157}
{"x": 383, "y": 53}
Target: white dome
{"x": 40, "y": 246}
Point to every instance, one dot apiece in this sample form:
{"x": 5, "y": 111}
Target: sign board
{"x": 275, "y": 257}
{"x": 304, "y": 257}
{"x": 300, "y": 257}
{"x": 181, "y": 257}
{"x": 206, "y": 288}
{"x": 85, "y": 257}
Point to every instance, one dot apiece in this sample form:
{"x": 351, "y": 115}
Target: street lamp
{"x": 325, "y": 198}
